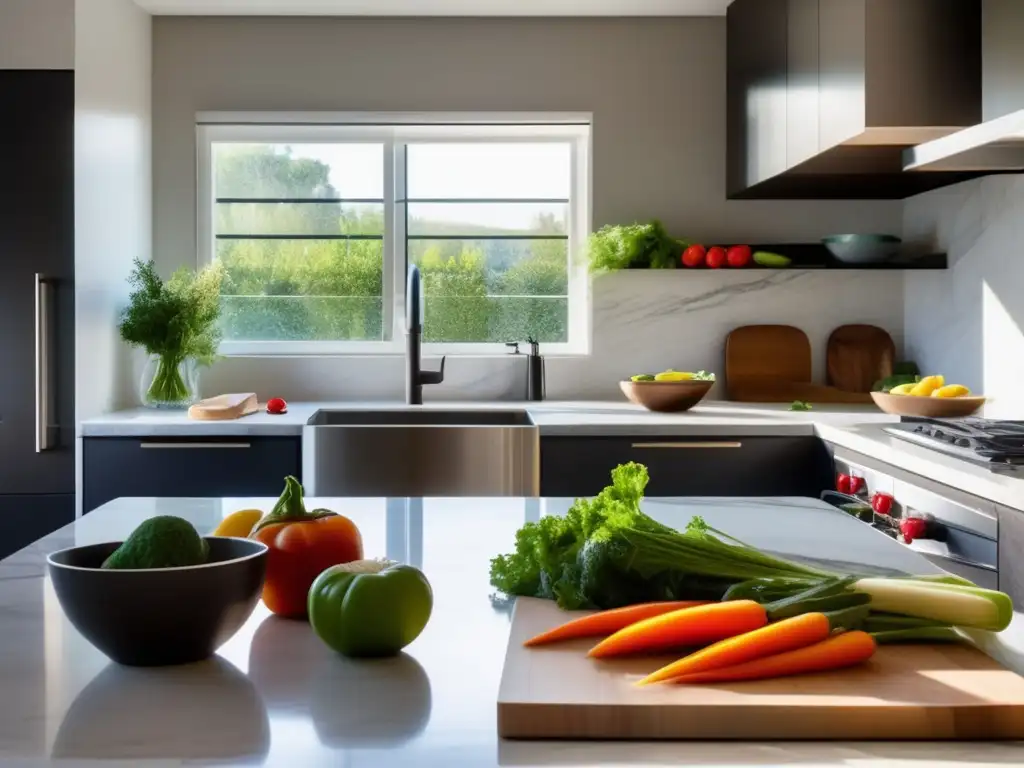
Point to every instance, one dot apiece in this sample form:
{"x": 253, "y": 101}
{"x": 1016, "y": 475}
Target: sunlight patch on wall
{"x": 1003, "y": 355}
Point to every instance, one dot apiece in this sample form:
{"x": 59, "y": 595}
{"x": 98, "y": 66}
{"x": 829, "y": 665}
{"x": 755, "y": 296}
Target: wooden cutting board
{"x": 779, "y": 352}
{"x": 224, "y": 407}
{"x": 935, "y": 692}
{"x": 858, "y": 356}
{"x": 772, "y": 364}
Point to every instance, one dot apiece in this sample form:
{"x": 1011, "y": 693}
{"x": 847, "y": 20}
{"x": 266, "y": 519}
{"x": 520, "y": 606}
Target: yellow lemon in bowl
{"x": 927, "y": 385}
{"x": 952, "y": 390}
{"x": 673, "y": 376}
{"x": 238, "y": 525}
{"x": 902, "y": 389}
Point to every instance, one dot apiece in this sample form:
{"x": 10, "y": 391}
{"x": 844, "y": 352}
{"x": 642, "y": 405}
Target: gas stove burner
{"x": 997, "y": 444}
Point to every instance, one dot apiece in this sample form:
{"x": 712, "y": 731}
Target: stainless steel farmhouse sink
{"x": 421, "y": 452}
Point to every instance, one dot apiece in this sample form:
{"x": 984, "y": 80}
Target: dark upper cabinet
{"x": 803, "y": 97}
{"x": 756, "y": 92}
{"x": 824, "y": 95}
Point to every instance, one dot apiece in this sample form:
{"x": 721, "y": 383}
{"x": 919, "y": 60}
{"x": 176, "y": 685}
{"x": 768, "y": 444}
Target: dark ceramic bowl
{"x": 863, "y": 249}
{"x": 161, "y": 616}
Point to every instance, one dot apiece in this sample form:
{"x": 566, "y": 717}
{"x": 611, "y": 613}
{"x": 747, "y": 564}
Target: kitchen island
{"x": 275, "y": 695}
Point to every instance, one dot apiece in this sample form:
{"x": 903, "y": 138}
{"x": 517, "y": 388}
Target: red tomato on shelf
{"x": 277, "y": 405}
{"x": 694, "y": 256}
{"x": 739, "y": 256}
{"x": 716, "y": 257}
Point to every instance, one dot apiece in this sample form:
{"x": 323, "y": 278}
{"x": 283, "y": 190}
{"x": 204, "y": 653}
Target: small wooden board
{"x": 224, "y": 407}
{"x": 776, "y": 352}
{"x": 859, "y": 355}
{"x": 934, "y": 692}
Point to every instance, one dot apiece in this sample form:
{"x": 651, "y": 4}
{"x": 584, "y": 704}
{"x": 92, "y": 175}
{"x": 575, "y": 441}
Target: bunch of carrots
{"x": 827, "y": 627}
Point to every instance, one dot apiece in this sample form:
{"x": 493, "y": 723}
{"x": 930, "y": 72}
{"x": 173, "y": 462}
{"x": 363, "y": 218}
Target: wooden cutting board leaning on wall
{"x": 772, "y": 364}
{"x": 859, "y": 355}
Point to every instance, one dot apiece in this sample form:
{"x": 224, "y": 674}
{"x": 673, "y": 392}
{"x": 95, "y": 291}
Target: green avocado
{"x": 642, "y": 377}
{"x": 160, "y": 542}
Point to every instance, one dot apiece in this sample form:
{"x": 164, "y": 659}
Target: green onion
{"x": 948, "y": 603}
{"x": 919, "y": 635}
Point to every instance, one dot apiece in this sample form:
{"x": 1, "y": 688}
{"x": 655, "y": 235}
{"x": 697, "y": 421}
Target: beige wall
{"x": 113, "y": 191}
{"x": 37, "y": 34}
{"x": 656, "y": 88}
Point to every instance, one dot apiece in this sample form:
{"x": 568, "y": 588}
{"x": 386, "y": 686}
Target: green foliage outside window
{"x": 310, "y": 289}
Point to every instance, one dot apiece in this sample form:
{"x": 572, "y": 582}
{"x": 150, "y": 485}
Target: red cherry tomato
{"x": 912, "y": 528}
{"x": 694, "y": 256}
{"x": 716, "y": 257}
{"x": 739, "y": 256}
{"x": 882, "y": 503}
{"x": 276, "y": 405}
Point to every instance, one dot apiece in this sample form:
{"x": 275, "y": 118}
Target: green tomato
{"x": 370, "y": 607}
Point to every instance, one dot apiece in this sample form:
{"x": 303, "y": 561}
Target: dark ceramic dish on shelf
{"x": 863, "y": 249}
{"x": 160, "y": 616}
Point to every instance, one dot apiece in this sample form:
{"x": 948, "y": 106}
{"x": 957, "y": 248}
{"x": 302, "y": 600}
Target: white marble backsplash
{"x": 968, "y": 322}
{"x": 643, "y": 321}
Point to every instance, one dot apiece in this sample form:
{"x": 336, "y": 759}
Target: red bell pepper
{"x": 857, "y": 485}
{"x": 882, "y": 503}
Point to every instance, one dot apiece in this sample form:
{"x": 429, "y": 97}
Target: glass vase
{"x": 169, "y": 382}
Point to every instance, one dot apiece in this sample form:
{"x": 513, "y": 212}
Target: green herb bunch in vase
{"x": 176, "y": 323}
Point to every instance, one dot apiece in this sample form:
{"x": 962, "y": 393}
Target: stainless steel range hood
{"x": 995, "y": 146}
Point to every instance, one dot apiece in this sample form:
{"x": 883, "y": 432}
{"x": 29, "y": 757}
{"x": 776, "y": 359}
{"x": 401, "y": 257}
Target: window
{"x": 315, "y": 223}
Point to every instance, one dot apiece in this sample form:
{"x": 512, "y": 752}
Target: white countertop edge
{"x": 859, "y": 429}
{"x": 571, "y": 418}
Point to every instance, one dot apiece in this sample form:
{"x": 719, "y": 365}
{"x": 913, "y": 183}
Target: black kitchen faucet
{"x": 414, "y": 377}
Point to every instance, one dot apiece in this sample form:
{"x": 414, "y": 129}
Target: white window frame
{"x": 396, "y": 131}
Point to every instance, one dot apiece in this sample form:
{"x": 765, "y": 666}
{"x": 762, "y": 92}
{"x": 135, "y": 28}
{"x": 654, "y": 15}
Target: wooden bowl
{"x": 666, "y": 396}
{"x": 927, "y": 407}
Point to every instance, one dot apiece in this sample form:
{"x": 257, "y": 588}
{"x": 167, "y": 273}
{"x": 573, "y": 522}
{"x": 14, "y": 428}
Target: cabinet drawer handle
{"x": 195, "y": 446}
{"x": 689, "y": 445}
{"x": 44, "y": 397}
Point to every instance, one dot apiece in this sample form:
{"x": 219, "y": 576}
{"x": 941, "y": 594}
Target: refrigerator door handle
{"x": 43, "y": 361}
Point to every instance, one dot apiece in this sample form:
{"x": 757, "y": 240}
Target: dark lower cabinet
{"x": 1011, "y": 544}
{"x": 24, "y": 519}
{"x": 731, "y": 466}
{"x": 184, "y": 467}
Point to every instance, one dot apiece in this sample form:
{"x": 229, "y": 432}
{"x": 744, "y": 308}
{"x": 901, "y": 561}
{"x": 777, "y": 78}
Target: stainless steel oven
{"x": 954, "y": 530}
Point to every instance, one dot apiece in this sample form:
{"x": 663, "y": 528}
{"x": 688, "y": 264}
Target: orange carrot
{"x": 690, "y": 626}
{"x": 606, "y": 622}
{"x": 843, "y": 650}
{"x": 782, "y": 636}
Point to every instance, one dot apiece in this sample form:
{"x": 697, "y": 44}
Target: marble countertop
{"x": 274, "y": 695}
{"x": 577, "y": 418}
